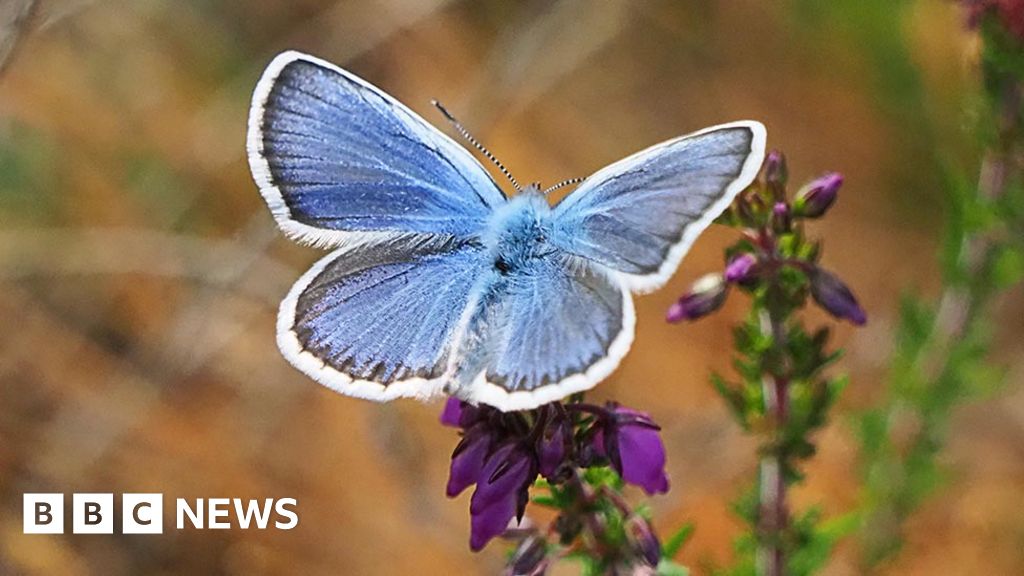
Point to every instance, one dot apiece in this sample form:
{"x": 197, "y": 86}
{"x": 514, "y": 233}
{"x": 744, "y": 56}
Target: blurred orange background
{"x": 140, "y": 270}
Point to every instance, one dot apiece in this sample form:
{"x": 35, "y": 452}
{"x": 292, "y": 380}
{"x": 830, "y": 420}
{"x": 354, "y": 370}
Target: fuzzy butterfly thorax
{"x": 517, "y": 234}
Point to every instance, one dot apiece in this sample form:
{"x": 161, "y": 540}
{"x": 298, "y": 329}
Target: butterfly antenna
{"x": 562, "y": 184}
{"x": 465, "y": 134}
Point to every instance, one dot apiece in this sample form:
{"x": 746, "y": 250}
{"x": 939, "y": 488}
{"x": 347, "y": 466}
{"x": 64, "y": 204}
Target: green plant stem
{"x": 961, "y": 312}
{"x": 773, "y": 509}
{"x": 773, "y": 517}
{"x": 959, "y": 305}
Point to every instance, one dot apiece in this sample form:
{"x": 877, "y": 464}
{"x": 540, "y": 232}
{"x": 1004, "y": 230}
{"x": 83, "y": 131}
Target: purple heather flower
{"x": 460, "y": 414}
{"x": 501, "y": 492}
{"x": 739, "y": 268}
{"x": 452, "y": 412}
{"x": 552, "y": 447}
{"x": 468, "y": 461}
{"x": 631, "y": 442}
{"x": 815, "y": 198}
{"x": 644, "y": 540}
{"x": 831, "y": 294}
{"x": 498, "y": 455}
{"x": 502, "y": 454}
{"x": 705, "y": 296}
{"x": 489, "y": 522}
{"x": 642, "y": 457}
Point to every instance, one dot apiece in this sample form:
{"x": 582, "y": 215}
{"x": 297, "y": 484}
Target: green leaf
{"x": 677, "y": 540}
{"x": 816, "y": 540}
{"x": 1007, "y": 267}
{"x": 547, "y": 501}
{"x": 734, "y": 399}
{"x": 598, "y": 476}
{"x": 644, "y": 511}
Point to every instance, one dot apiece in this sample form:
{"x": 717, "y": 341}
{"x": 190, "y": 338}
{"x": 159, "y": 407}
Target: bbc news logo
{"x": 144, "y": 513}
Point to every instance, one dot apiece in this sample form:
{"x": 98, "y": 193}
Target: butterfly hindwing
{"x": 640, "y": 215}
{"x": 543, "y": 333}
{"x": 377, "y": 322}
{"x": 341, "y": 162}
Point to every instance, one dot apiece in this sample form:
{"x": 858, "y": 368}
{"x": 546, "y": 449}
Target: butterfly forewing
{"x": 640, "y": 215}
{"x": 339, "y": 161}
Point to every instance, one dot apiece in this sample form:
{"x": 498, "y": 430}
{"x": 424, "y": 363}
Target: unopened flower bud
{"x": 831, "y": 294}
{"x": 739, "y": 268}
{"x": 775, "y": 171}
{"x": 643, "y": 539}
{"x": 815, "y": 198}
{"x": 781, "y": 221}
{"x": 707, "y": 295}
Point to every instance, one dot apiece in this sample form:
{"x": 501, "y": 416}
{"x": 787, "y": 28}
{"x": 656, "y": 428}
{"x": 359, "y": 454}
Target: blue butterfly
{"x": 438, "y": 281}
